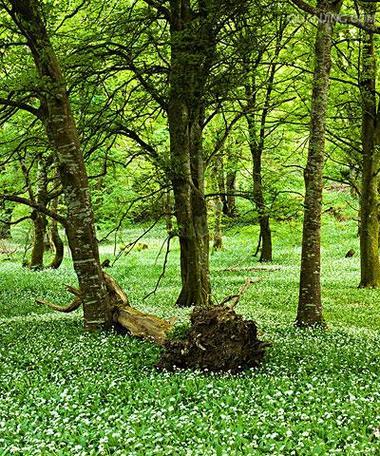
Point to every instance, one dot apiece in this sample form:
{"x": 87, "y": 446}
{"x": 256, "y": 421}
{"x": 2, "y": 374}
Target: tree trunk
{"x": 191, "y": 214}
{"x": 39, "y": 219}
{"x": 266, "y": 240}
{"x": 38, "y": 246}
{"x": 369, "y": 216}
{"x": 310, "y": 306}
{"x": 218, "y": 213}
{"x": 258, "y": 194}
{"x": 61, "y": 130}
{"x": 231, "y": 210}
{"x": 59, "y": 248}
{"x": 5, "y": 219}
{"x": 190, "y": 59}
{"x": 56, "y": 241}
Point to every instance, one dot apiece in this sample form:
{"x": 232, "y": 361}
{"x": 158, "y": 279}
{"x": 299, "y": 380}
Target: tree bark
{"x": 38, "y": 246}
{"x": 309, "y": 311}
{"x": 56, "y": 241}
{"x": 39, "y": 219}
{"x": 191, "y": 48}
{"x": 61, "y": 130}
{"x": 168, "y": 213}
{"x": 231, "y": 210}
{"x": 258, "y": 194}
{"x": 5, "y": 221}
{"x": 59, "y": 248}
{"x": 369, "y": 200}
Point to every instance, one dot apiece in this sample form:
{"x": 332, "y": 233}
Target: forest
{"x": 189, "y": 227}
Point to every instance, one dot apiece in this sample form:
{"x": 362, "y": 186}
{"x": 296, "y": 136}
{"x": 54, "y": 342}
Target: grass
{"x": 64, "y": 392}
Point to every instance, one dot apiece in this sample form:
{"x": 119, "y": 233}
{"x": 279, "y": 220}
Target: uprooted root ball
{"x": 218, "y": 340}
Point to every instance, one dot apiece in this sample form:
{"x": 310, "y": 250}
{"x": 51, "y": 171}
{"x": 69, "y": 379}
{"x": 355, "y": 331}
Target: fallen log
{"x": 143, "y": 325}
{"x": 125, "y": 318}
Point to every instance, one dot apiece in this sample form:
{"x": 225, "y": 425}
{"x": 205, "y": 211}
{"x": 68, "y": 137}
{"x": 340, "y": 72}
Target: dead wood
{"x": 143, "y": 325}
{"x": 234, "y": 299}
{"x": 126, "y": 319}
{"x": 74, "y": 305}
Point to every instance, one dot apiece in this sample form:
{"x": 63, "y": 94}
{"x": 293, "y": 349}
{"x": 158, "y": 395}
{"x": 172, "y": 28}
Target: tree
{"x": 193, "y": 37}
{"x": 257, "y": 133}
{"x": 56, "y": 240}
{"x": 104, "y": 303}
{"x": 369, "y": 200}
{"x": 309, "y": 311}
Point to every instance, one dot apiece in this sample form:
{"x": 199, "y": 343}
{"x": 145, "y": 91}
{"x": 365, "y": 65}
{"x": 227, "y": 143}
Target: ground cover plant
{"x": 67, "y": 392}
{"x": 189, "y": 184}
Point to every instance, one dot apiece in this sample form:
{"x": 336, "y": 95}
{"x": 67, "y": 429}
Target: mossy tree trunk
{"x": 256, "y": 146}
{"x": 309, "y": 311}
{"x": 56, "y": 240}
{"x": 39, "y": 219}
{"x": 6, "y": 213}
{"x": 369, "y": 200}
{"x": 192, "y": 48}
{"x": 38, "y": 245}
{"x": 104, "y": 302}
{"x": 62, "y": 133}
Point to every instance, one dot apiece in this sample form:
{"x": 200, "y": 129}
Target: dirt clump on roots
{"x": 218, "y": 340}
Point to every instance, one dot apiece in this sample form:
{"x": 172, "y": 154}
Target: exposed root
{"x": 73, "y": 290}
{"x": 218, "y": 340}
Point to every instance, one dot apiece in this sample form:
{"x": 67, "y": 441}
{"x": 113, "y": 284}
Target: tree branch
{"x": 20, "y": 105}
{"x": 36, "y": 206}
{"x": 159, "y": 7}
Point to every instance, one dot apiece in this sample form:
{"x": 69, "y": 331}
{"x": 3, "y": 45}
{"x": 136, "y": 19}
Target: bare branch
{"x": 36, "y": 206}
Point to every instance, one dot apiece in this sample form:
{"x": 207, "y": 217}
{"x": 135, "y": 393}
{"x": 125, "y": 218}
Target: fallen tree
{"x": 125, "y": 318}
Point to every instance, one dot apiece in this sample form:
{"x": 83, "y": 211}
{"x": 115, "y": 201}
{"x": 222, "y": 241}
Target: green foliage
{"x": 64, "y": 392}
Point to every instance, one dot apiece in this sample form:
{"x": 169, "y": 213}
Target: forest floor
{"x": 64, "y": 392}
